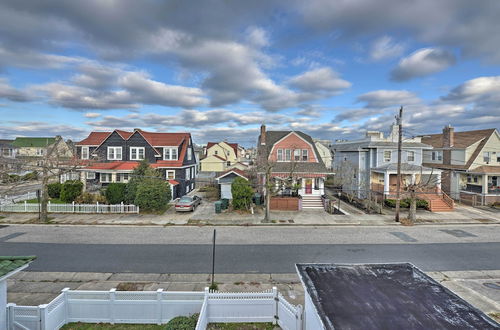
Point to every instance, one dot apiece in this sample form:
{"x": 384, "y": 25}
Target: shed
{"x": 382, "y": 296}
{"x": 226, "y": 179}
{"x": 8, "y": 267}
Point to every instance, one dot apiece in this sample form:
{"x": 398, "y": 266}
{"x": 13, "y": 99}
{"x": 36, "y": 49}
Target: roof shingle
{"x": 9, "y": 264}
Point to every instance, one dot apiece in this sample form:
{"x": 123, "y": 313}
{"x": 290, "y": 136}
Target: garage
{"x": 225, "y": 181}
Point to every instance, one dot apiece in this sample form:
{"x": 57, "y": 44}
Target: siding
{"x": 293, "y": 142}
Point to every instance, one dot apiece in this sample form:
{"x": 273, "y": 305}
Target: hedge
{"x": 405, "y": 203}
{"x": 71, "y": 190}
{"x": 242, "y": 194}
{"x": 54, "y": 190}
{"x": 115, "y": 192}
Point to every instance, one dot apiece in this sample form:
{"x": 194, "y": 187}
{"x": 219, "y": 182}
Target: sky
{"x": 220, "y": 69}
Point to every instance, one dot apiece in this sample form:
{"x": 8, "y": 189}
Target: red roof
{"x": 168, "y": 163}
{"x": 153, "y": 138}
{"x": 173, "y": 182}
{"x": 94, "y": 139}
{"x": 232, "y": 145}
{"x": 116, "y": 166}
{"x": 235, "y": 170}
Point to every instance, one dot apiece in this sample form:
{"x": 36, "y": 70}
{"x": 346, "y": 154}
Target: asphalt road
{"x": 80, "y": 249}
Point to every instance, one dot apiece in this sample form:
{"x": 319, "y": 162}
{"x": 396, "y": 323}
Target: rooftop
{"x": 461, "y": 139}
{"x": 386, "y": 296}
{"x": 9, "y": 264}
{"x": 37, "y": 142}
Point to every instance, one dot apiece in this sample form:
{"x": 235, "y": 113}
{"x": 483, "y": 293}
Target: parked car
{"x": 187, "y": 203}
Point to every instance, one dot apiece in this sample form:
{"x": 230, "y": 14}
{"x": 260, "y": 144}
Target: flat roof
{"x": 386, "y": 296}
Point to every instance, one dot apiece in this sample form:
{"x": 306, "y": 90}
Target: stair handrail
{"x": 448, "y": 200}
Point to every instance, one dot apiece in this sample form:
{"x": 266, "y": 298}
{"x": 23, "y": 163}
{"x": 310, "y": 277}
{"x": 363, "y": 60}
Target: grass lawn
{"x": 91, "y": 326}
{"x": 52, "y": 201}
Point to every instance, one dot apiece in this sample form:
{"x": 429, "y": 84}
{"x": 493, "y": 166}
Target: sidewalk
{"x": 33, "y": 288}
{"x": 205, "y": 215}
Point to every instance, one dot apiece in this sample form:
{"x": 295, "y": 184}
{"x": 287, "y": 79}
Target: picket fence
{"x": 70, "y": 208}
{"x": 155, "y": 307}
{"x": 17, "y": 198}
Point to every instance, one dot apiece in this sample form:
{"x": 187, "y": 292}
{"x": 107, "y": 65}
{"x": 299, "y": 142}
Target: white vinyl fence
{"x": 155, "y": 307}
{"x": 70, "y": 208}
{"x": 5, "y": 199}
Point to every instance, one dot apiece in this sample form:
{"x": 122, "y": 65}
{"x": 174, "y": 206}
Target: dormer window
{"x": 170, "y": 153}
{"x": 114, "y": 153}
{"x": 305, "y": 155}
{"x": 136, "y": 153}
{"x": 85, "y": 152}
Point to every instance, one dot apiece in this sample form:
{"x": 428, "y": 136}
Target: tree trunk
{"x": 268, "y": 199}
{"x": 44, "y": 200}
{"x": 412, "y": 213}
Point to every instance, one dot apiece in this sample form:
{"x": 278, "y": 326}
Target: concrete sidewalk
{"x": 480, "y": 288}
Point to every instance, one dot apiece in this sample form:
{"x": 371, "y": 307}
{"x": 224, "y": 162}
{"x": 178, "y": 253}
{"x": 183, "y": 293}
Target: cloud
{"x": 257, "y": 37}
{"x": 39, "y": 128}
{"x": 474, "y": 90}
{"x": 92, "y": 115}
{"x": 12, "y": 94}
{"x": 385, "y": 48}
{"x": 387, "y": 98}
{"x": 26, "y": 58}
{"x": 320, "y": 80}
{"x": 421, "y": 63}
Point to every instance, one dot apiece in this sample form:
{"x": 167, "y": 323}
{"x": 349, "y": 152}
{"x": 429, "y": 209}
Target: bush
{"x": 153, "y": 195}
{"x": 54, "y": 190}
{"x": 30, "y": 176}
{"x": 13, "y": 178}
{"x": 115, "y": 193}
{"x": 405, "y": 203}
{"x": 71, "y": 190}
{"x": 422, "y": 204}
{"x": 137, "y": 176}
{"x": 242, "y": 194}
{"x": 182, "y": 323}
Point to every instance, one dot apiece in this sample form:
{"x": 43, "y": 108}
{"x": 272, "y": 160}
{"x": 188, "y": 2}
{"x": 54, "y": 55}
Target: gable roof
{"x": 154, "y": 138}
{"x": 115, "y": 166}
{"x": 37, "y": 142}
{"x": 461, "y": 139}
{"x": 232, "y": 145}
{"x": 236, "y": 171}
{"x": 9, "y": 264}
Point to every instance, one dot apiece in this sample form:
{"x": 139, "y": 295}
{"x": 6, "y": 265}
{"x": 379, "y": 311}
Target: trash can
{"x": 225, "y": 203}
{"x": 218, "y": 207}
{"x": 258, "y": 198}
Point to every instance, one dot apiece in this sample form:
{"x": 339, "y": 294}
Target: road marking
{"x": 458, "y": 233}
{"x": 10, "y": 236}
{"x": 404, "y": 237}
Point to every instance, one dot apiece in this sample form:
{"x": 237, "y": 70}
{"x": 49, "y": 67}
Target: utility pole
{"x": 400, "y": 141}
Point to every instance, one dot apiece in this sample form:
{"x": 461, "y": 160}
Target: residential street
{"x": 249, "y": 249}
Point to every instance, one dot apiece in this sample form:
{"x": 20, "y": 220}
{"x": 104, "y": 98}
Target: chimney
{"x": 137, "y": 130}
{"x": 448, "y": 137}
{"x": 263, "y": 135}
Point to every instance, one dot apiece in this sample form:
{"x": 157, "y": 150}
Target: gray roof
{"x": 386, "y": 296}
{"x": 355, "y": 146}
{"x": 5, "y": 142}
{"x": 404, "y": 168}
{"x": 274, "y": 136}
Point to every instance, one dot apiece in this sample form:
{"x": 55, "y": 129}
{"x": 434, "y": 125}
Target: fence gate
{"x": 289, "y": 316}
{"x": 23, "y": 317}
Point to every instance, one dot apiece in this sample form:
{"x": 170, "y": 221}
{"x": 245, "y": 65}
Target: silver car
{"x": 187, "y": 203}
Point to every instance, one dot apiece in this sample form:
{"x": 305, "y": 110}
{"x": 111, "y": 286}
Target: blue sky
{"x": 220, "y": 69}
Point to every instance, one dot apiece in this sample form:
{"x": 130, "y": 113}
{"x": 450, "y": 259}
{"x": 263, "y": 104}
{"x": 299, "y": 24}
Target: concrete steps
{"x": 312, "y": 202}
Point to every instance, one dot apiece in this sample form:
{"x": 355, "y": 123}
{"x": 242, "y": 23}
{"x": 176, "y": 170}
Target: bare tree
{"x": 412, "y": 189}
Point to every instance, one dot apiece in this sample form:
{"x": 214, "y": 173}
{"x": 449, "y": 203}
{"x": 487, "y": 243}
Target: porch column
{"x": 113, "y": 177}
{"x": 386, "y": 183}
{"x": 485, "y": 183}
{"x": 414, "y": 178}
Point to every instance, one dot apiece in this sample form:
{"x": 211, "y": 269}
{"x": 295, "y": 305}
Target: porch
{"x": 479, "y": 189}
{"x": 304, "y": 184}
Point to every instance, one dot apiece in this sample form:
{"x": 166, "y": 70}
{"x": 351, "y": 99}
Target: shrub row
{"x": 405, "y": 203}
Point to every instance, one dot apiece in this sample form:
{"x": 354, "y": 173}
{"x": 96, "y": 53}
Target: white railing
{"x": 70, "y": 208}
{"x": 17, "y": 198}
{"x": 155, "y": 307}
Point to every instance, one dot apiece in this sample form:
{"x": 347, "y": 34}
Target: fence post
{"x": 25, "y": 207}
{"x": 97, "y": 207}
{"x": 66, "y": 305}
{"x": 122, "y": 208}
{"x": 42, "y": 309}
{"x": 159, "y": 294}
{"x": 298, "y": 317}
{"x": 276, "y": 301}
{"x": 137, "y": 208}
{"x": 73, "y": 206}
{"x": 112, "y": 306}
{"x": 48, "y": 207}
{"x": 10, "y": 315}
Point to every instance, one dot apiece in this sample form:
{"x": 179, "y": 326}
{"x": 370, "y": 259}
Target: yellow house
{"x": 219, "y": 157}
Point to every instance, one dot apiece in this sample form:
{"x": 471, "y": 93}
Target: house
{"x": 382, "y": 296}
{"x": 292, "y": 160}
{"x": 470, "y": 161}
{"x": 369, "y": 166}
{"x": 115, "y": 154}
{"x": 7, "y": 156}
{"x": 8, "y": 267}
{"x": 226, "y": 179}
{"x": 325, "y": 152}
{"x": 219, "y": 156}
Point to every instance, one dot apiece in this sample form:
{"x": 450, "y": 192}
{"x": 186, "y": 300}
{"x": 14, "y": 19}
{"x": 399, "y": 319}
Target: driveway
{"x": 205, "y": 210}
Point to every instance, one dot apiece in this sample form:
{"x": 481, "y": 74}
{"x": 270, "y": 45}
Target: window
{"x": 228, "y": 163}
{"x": 188, "y": 173}
{"x": 498, "y": 157}
{"x": 296, "y": 155}
{"x": 90, "y": 175}
{"x": 39, "y": 152}
{"x": 280, "y": 155}
{"x": 105, "y": 177}
{"x": 228, "y": 153}
{"x": 136, "y": 153}
{"x": 170, "y": 153}
{"x": 410, "y": 156}
{"x": 190, "y": 153}
{"x": 85, "y": 152}
{"x": 6, "y": 152}
{"x": 387, "y": 156}
{"x": 114, "y": 153}
{"x": 216, "y": 152}
{"x": 125, "y": 177}
{"x": 288, "y": 155}
{"x": 170, "y": 175}
{"x": 305, "y": 154}
{"x": 486, "y": 156}
{"x": 472, "y": 178}
{"x": 437, "y": 155}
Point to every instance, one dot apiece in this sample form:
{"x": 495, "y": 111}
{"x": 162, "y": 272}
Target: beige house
{"x": 220, "y": 156}
{"x": 471, "y": 163}
{"x": 32, "y": 151}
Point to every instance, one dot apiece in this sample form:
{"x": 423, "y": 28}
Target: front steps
{"x": 437, "y": 203}
{"x": 312, "y": 202}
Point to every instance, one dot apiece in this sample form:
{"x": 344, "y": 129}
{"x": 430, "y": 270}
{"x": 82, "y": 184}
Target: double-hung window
{"x": 410, "y": 156}
{"x": 188, "y": 173}
{"x": 280, "y": 155}
{"x": 170, "y": 175}
{"x": 170, "y": 153}
{"x": 387, "y": 156}
{"x": 114, "y": 153}
{"x": 190, "y": 153}
{"x": 137, "y": 153}
{"x": 288, "y": 155}
{"x": 39, "y": 151}
{"x": 296, "y": 155}
{"x": 437, "y": 155}
{"x": 105, "y": 177}
{"x": 486, "y": 156}
{"x": 90, "y": 175}
{"x": 305, "y": 155}
{"x": 85, "y": 152}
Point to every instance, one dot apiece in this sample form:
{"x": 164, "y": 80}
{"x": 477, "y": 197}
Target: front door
{"x": 309, "y": 186}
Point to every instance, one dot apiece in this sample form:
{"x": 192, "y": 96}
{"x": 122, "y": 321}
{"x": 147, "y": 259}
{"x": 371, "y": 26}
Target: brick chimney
{"x": 263, "y": 135}
{"x": 448, "y": 137}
